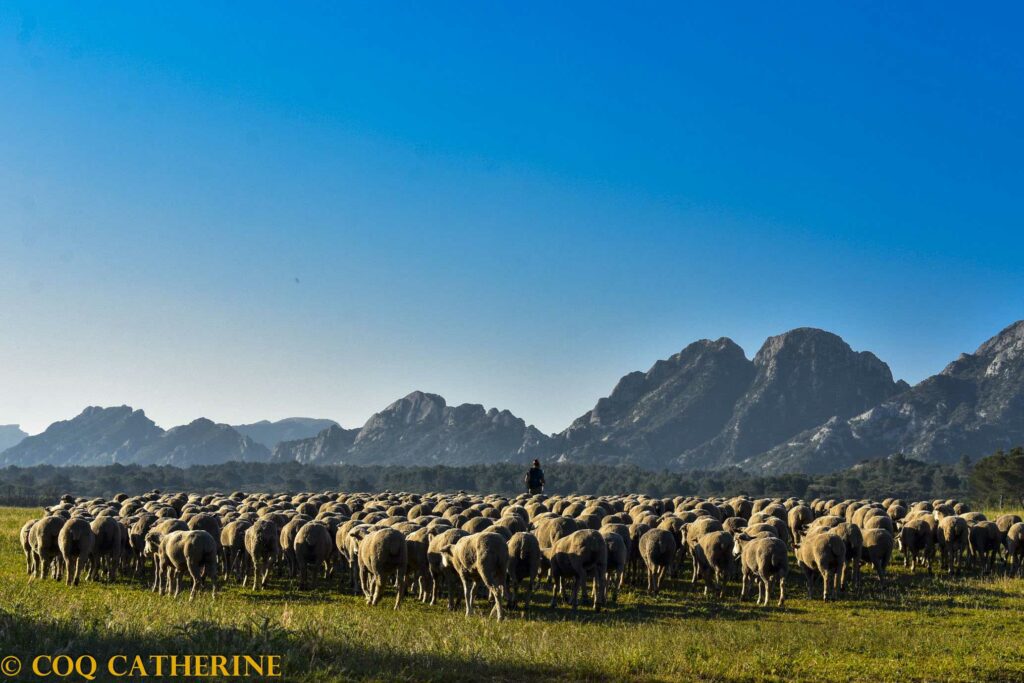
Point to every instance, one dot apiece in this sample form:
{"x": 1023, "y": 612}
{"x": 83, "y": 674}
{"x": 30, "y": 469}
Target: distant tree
{"x": 999, "y": 477}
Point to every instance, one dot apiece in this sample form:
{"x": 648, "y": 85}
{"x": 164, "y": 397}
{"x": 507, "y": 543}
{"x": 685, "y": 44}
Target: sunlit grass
{"x": 917, "y": 629}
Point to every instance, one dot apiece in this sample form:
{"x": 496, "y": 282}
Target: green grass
{"x": 918, "y": 629}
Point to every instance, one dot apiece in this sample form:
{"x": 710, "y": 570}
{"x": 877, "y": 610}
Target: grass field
{"x": 918, "y": 629}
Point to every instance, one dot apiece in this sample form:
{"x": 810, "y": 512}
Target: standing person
{"x": 535, "y": 479}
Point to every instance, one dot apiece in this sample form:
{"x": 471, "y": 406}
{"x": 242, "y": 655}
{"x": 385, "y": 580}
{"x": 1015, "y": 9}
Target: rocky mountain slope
{"x": 289, "y": 429}
{"x": 421, "y": 429}
{"x": 708, "y": 406}
{"x": 330, "y": 445}
{"x": 802, "y": 378}
{"x": 102, "y": 436}
{"x": 805, "y": 402}
{"x": 10, "y": 435}
{"x": 200, "y": 442}
{"x": 973, "y": 407}
{"x": 652, "y": 417}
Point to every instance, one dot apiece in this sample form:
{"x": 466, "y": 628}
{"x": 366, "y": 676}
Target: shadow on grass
{"x": 306, "y": 655}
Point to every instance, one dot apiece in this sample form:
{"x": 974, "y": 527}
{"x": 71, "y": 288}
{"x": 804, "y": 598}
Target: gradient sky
{"x": 251, "y": 211}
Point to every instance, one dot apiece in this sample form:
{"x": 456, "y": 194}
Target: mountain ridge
{"x": 805, "y": 402}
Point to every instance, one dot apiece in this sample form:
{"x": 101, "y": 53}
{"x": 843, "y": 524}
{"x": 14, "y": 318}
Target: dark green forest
{"x": 1000, "y": 476}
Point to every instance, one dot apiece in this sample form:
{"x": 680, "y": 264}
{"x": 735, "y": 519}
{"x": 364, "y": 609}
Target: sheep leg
{"x": 468, "y": 593}
{"x": 581, "y": 578}
{"x": 496, "y": 591}
{"x": 266, "y": 574}
{"x": 400, "y": 576}
{"x": 195, "y": 581}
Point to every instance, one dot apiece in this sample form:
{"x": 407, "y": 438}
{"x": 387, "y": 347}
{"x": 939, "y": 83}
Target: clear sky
{"x": 252, "y": 210}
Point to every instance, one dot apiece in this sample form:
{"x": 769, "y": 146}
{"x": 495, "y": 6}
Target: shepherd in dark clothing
{"x": 535, "y": 479}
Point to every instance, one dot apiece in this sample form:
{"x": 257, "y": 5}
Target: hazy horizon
{"x": 295, "y": 211}
{"x": 370, "y": 411}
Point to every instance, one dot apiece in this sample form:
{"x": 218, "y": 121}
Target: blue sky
{"x": 257, "y": 211}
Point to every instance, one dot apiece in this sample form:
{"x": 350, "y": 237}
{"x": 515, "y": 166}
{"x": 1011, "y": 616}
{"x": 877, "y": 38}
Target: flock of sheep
{"x": 460, "y": 546}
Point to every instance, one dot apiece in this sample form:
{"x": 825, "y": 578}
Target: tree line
{"x": 896, "y": 476}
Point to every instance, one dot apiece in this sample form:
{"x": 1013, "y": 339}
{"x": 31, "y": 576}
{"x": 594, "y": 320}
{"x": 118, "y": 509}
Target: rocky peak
{"x": 200, "y": 442}
{"x": 96, "y": 436}
{"x": 1000, "y": 356}
{"x": 330, "y": 445}
{"x": 651, "y": 417}
{"x": 416, "y": 408}
{"x": 10, "y": 435}
{"x": 803, "y": 378}
{"x": 974, "y": 406}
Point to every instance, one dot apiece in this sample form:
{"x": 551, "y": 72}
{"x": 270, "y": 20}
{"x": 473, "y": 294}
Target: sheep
{"x": 263, "y": 546}
{"x": 694, "y": 531}
{"x": 43, "y": 537}
{"x": 480, "y": 558}
{"x": 151, "y": 547}
{"x": 658, "y": 550}
{"x": 763, "y": 560}
{"x": 618, "y": 556}
{"x": 878, "y": 521}
{"x": 581, "y": 554}
{"x": 551, "y": 530}
{"x": 952, "y": 537}
{"x": 824, "y": 523}
{"x": 440, "y": 574}
{"x": 193, "y": 552}
{"x": 636, "y": 531}
{"x": 714, "y": 555}
{"x": 916, "y": 539}
{"x": 523, "y": 565}
{"x": 780, "y": 524}
{"x": 208, "y": 523}
{"x": 287, "y": 542}
{"x": 1004, "y": 522}
{"x": 877, "y": 550}
{"x": 348, "y": 549}
{"x": 734, "y": 525}
{"x": 852, "y": 537}
{"x": 137, "y": 540}
{"x": 477, "y": 524}
{"x": 232, "y": 546}
{"x": 312, "y": 548}
{"x": 76, "y": 541}
{"x": 25, "y": 540}
{"x": 984, "y": 541}
{"x": 417, "y": 570}
{"x": 798, "y": 518}
{"x": 381, "y": 554}
{"x": 108, "y": 546}
{"x": 1015, "y": 547}
{"x": 896, "y": 511}
{"x": 823, "y": 553}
